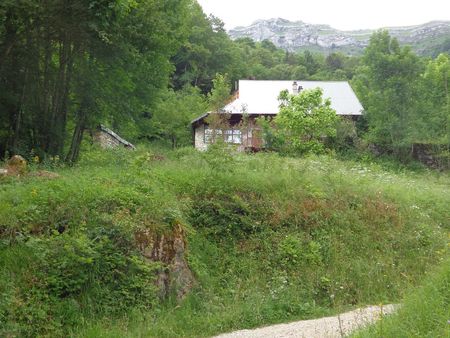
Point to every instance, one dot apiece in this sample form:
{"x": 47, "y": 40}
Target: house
{"x": 106, "y": 138}
{"x": 255, "y": 99}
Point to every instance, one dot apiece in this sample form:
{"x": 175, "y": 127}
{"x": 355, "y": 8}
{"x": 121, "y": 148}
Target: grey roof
{"x": 261, "y": 97}
{"x": 200, "y": 118}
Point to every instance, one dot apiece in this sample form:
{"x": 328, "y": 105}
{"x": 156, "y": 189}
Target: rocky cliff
{"x": 293, "y": 36}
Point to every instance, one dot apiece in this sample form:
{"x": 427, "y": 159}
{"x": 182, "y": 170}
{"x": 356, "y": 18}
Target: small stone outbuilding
{"x": 106, "y": 138}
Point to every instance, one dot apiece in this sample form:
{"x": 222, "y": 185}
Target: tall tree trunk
{"x": 9, "y": 39}
{"x": 174, "y": 141}
{"x": 63, "y": 114}
{"x": 46, "y": 97}
{"x": 17, "y": 111}
{"x": 74, "y": 151}
{"x": 62, "y": 86}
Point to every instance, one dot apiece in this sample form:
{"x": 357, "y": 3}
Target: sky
{"x": 340, "y": 14}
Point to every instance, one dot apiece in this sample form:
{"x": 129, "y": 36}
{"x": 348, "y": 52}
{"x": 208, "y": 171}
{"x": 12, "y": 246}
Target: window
{"x": 211, "y": 134}
{"x": 233, "y": 136}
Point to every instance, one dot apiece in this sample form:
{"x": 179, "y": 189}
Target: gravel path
{"x": 328, "y": 327}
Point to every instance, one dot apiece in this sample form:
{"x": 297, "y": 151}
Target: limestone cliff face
{"x": 169, "y": 248}
{"x": 298, "y": 35}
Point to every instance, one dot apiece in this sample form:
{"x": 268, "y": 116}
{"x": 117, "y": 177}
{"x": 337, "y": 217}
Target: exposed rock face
{"x": 16, "y": 165}
{"x": 170, "y": 250}
{"x": 430, "y": 155}
{"x": 298, "y": 35}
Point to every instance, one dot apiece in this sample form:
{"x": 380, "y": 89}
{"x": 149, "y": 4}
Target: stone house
{"x": 106, "y": 138}
{"x": 255, "y": 99}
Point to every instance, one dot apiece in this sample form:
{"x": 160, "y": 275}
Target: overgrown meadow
{"x": 270, "y": 239}
{"x": 424, "y": 313}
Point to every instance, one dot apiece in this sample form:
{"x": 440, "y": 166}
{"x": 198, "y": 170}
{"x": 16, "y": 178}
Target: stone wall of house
{"x": 251, "y": 138}
{"x": 199, "y": 138}
{"x": 105, "y": 140}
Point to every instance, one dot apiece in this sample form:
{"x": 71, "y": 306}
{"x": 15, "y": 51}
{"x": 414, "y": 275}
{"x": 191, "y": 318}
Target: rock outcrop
{"x": 169, "y": 248}
{"x": 294, "y": 36}
{"x": 15, "y": 166}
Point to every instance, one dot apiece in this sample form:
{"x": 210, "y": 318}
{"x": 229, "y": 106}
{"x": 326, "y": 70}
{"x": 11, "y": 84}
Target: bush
{"x": 73, "y": 272}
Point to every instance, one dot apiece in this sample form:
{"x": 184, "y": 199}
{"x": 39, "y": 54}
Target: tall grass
{"x": 270, "y": 239}
{"x": 424, "y": 313}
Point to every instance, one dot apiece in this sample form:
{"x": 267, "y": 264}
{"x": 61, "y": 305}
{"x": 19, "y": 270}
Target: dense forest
{"x": 145, "y": 68}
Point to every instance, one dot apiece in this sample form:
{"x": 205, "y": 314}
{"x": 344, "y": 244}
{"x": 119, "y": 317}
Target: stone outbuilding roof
{"x": 113, "y": 135}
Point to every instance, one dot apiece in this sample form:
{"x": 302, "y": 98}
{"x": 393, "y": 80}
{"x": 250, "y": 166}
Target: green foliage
{"x": 207, "y": 51}
{"x": 273, "y": 239}
{"x": 79, "y": 64}
{"x": 388, "y": 90}
{"x": 210, "y": 50}
{"x": 405, "y": 97}
{"x": 424, "y": 313}
{"x": 293, "y": 251}
{"x": 223, "y": 216}
{"x": 220, "y": 92}
{"x": 172, "y": 116}
{"x": 146, "y": 68}
{"x": 220, "y": 158}
{"x": 304, "y": 120}
{"x": 273, "y": 140}
{"x": 72, "y": 273}
{"x": 77, "y": 237}
{"x": 346, "y": 138}
{"x": 435, "y": 123}
{"x": 270, "y": 239}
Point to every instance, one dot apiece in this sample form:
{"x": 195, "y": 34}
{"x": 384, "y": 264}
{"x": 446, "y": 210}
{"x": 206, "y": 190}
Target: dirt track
{"x": 337, "y": 326}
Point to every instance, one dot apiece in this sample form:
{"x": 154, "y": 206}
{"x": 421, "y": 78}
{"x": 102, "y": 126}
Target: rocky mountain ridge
{"x": 297, "y": 35}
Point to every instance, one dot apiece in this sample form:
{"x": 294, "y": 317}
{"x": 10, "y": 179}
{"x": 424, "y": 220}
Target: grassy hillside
{"x": 425, "y": 313}
{"x": 270, "y": 239}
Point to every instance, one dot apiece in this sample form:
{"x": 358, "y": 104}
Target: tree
{"x": 435, "y": 118}
{"x": 335, "y": 61}
{"x": 220, "y": 92}
{"x": 304, "y": 121}
{"x": 310, "y": 62}
{"x": 217, "y": 120}
{"x": 207, "y": 51}
{"x": 75, "y": 63}
{"x": 432, "y": 123}
{"x": 174, "y": 112}
{"x": 387, "y": 84}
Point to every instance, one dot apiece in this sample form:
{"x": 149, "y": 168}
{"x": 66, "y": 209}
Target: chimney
{"x": 294, "y": 88}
